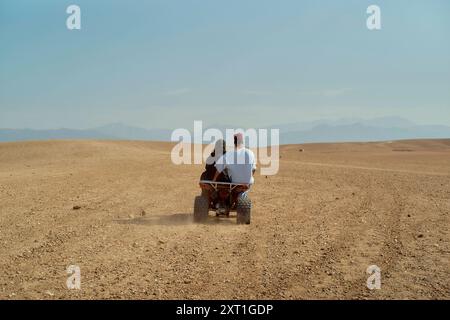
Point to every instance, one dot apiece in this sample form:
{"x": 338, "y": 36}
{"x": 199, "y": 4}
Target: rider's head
{"x": 220, "y": 147}
{"x": 238, "y": 139}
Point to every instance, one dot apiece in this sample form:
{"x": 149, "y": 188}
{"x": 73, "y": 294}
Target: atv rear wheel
{"x": 243, "y": 209}
{"x": 201, "y": 208}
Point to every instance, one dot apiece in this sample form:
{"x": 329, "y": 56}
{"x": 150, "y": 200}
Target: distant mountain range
{"x": 352, "y": 129}
{"x": 347, "y": 130}
{"x": 115, "y": 131}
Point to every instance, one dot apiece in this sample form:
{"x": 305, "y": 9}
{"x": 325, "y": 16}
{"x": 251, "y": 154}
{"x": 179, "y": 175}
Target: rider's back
{"x": 240, "y": 164}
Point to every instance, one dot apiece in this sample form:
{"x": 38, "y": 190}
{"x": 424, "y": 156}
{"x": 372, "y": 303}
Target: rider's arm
{"x": 216, "y": 175}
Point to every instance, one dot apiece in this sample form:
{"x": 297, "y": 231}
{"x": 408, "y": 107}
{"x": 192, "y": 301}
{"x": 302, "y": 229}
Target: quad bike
{"x": 223, "y": 198}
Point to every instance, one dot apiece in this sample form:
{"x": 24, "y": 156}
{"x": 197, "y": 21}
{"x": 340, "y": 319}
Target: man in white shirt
{"x": 240, "y": 163}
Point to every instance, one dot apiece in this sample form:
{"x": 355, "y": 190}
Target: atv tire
{"x": 243, "y": 209}
{"x": 201, "y": 208}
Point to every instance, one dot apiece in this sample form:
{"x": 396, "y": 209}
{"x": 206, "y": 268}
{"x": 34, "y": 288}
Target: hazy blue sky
{"x": 165, "y": 63}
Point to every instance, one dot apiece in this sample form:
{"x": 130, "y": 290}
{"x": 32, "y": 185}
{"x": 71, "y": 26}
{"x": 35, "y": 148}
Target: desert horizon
{"x": 315, "y": 131}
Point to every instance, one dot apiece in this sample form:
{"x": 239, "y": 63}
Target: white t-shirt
{"x": 239, "y": 164}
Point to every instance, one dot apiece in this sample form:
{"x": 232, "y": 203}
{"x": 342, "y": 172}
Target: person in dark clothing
{"x": 210, "y": 172}
{"x": 210, "y": 167}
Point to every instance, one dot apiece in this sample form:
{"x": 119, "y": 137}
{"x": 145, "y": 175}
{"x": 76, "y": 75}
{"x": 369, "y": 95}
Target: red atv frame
{"x": 223, "y": 198}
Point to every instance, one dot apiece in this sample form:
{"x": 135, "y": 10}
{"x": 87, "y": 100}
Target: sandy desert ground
{"x": 330, "y": 212}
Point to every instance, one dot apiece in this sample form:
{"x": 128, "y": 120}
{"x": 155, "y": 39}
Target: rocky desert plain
{"x": 122, "y": 212}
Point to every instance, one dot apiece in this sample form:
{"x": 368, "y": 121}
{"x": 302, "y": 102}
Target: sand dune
{"x": 330, "y": 212}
